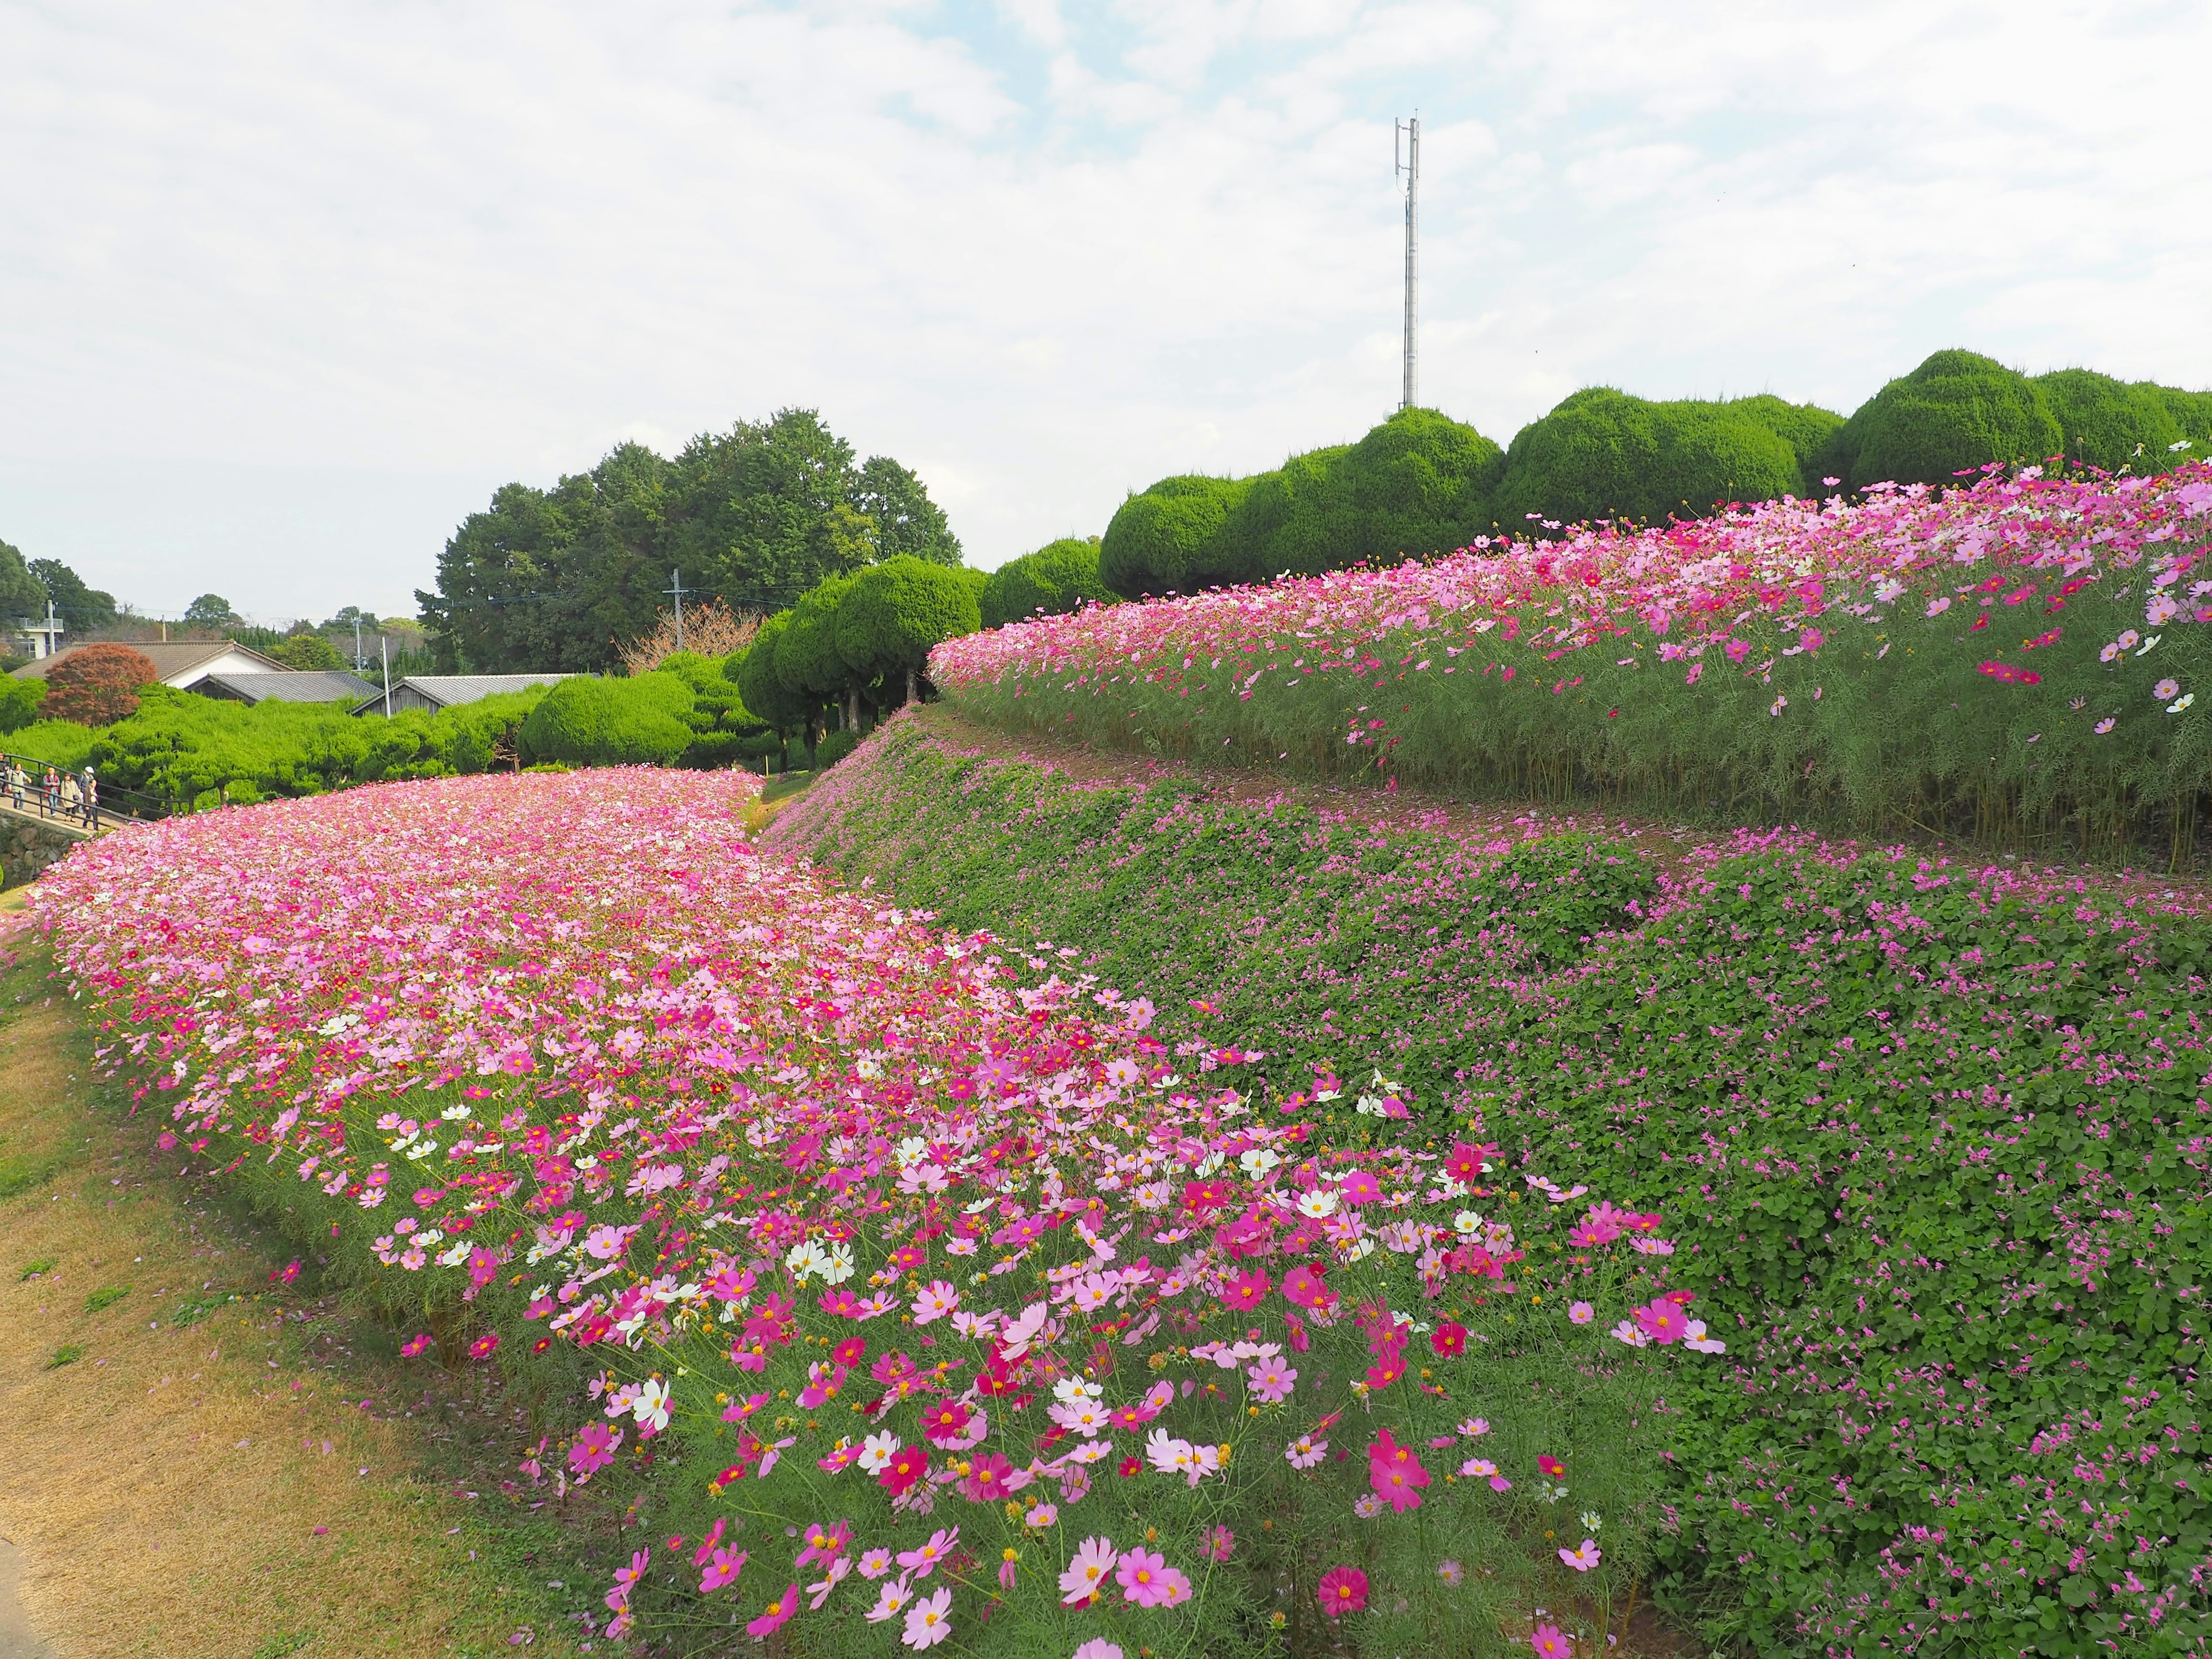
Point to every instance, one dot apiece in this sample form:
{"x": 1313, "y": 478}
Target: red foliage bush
{"x": 97, "y": 686}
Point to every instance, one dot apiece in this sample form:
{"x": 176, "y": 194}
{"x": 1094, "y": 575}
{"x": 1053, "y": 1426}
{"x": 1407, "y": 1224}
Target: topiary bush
{"x": 20, "y": 701}
{"x": 2120, "y": 426}
{"x": 1602, "y": 453}
{"x": 98, "y": 685}
{"x": 1955, "y": 414}
{"x": 1419, "y": 483}
{"x": 1169, "y": 540}
{"x": 587, "y": 721}
{"x": 1059, "y": 577}
{"x": 897, "y": 612}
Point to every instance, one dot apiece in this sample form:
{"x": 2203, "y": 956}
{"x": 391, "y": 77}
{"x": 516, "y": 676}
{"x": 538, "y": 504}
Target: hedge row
{"x": 1421, "y": 484}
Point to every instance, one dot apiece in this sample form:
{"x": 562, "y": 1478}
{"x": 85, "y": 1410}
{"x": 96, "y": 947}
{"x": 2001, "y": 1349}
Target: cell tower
{"x": 1405, "y": 153}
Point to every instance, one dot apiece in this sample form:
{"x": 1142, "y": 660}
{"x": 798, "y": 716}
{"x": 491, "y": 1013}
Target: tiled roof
{"x": 317, "y": 685}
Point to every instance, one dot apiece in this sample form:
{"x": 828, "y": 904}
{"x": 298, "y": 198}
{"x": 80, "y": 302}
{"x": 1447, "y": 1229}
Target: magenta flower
{"x": 1342, "y": 1590}
{"x": 1551, "y": 1643}
{"x": 777, "y": 1615}
{"x": 1662, "y": 1322}
{"x": 1582, "y": 1558}
{"x": 1219, "y": 1542}
{"x": 415, "y": 1344}
{"x": 722, "y": 1569}
{"x": 823, "y": 1543}
{"x": 594, "y": 1448}
{"x": 1582, "y": 1313}
{"x": 1245, "y": 1292}
{"x": 1272, "y": 1380}
{"x": 1141, "y": 1576}
{"x": 923, "y": 1559}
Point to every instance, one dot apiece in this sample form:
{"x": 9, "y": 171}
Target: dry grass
{"x": 199, "y": 1489}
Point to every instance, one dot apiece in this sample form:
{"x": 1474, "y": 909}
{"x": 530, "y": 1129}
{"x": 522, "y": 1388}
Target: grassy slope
{"x": 222, "y": 1476}
{"x": 1935, "y": 1141}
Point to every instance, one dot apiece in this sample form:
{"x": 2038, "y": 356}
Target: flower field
{"x": 2020, "y": 662}
{"x": 1931, "y": 1140}
{"x": 924, "y": 1294}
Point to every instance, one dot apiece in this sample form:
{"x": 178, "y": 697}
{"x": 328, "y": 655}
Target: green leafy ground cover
{"x": 1933, "y": 1136}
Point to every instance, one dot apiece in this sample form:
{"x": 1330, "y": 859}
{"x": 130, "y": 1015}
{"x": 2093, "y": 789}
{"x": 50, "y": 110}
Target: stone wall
{"x": 27, "y": 847}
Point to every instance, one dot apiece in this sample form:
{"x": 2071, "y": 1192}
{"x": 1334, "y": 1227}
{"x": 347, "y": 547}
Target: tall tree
{"x": 755, "y": 517}
{"x": 21, "y": 594}
{"x": 906, "y": 519}
{"x": 210, "y": 611}
{"x": 82, "y": 610}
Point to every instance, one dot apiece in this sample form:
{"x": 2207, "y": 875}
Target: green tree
{"x": 807, "y": 659}
{"x": 210, "y": 611}
{"x": 1169, "y": 540}
{"x": 1954, "y": 415}
{"x": 589, "y": 721}
{"x": 1057, "y": 578}
{"x": 1602, "y": 453}
{"x": 82, "y": 610}
{"x": 20, "y": 702}
{"x": 2116, "y": 426}
{"x": 22, "y": 593}
{"x": 307, "y": 651}
{"x": 896, "y": 611}
{"x": 766, "y": 695}
{"x": 906, "y": 520}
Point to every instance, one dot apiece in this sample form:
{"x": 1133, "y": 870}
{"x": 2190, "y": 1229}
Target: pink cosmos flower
{"x": 823, "y": 1543}
{"x": 415, "y": 1344}
{"x": 1662, "y": 1322}
{"x": 1582, "y": 1313}
{"x": 1451, "y": 1572}
{"x": 1584, "y": 1558}
{"x": 874, "y": 1563}
{"x": 1140, "y": 1575}
{"x": 1087, "y": 1571}
{"x": 929, "y": 1620}
{"x": 1305, "y": 1451}
{"x": 922, "y": 1559}
{"x": 1360, "y": 1187}
{"x": 1218, "y": 1542}
{"x": 1342, "y": 1590}
{"x": 595, "y": 1446}
{"x": 1551, "y": 1643}
{"x": 1551, "y": 1468}
{"x": 987, "y": 1482}
{"x": 722, "y": 1569}
{"x": 1246, "y": 1291}
{"x": 1448, "y": 1339}
{"x": 777, "y": 1615}
{"x": 890, "y": 1600}
{"x": 1099, "y": 1648}
{"x": 1272, "y": 1380}
{"x": 1305, "y": 1286}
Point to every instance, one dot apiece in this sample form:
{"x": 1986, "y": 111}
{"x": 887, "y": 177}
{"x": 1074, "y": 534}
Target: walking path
{"x": 67, "y": 826}
{"x": 201, "y": 1461}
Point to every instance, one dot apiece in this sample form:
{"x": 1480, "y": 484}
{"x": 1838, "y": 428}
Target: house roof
{"x": 170, "y": 657}
{"x": 315, "y": 685}
{"x": 449, "y": 691}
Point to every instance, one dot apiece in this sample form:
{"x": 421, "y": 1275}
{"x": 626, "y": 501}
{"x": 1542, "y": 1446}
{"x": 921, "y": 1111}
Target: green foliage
{"x": 895, "y": 612}
{"x": 807, "y": 659}
{"x": 590, "y": 721}
{"x": 182, "y": 746}
{"x": 1604, "y": 454}
{"x": 753, "y": 671}
{"x": 44, "y": 1264}
{"x": 307, "y": 653}
{"x": 1169, "y": 539}
{"x": 19, "y": 700}
{"x": 68, "y": 1354}
{"x": 22, "y": 593}
{"x": 723, "y": 729}
{"x": 64, "y": 743}
{"x": 833, "y": 748}
{"x": 1921, "y": 1134}
{"x": 1057, "y": 578}
{"x": 2139, "y": 429}
{"x": 1417, "y": 484}
{"x": 105, "y": 1297}
{"x": 1952, "y": 414}
{"x": 557, "y": 578}
{"x": 210, "y": 611}
{"x": 81, "y": 609}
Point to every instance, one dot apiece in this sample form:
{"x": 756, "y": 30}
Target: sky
{"x": 287, "y": 291}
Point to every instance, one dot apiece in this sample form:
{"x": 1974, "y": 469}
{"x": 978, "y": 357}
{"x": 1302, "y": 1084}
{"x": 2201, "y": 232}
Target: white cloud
{"x": 1045, "y": 256}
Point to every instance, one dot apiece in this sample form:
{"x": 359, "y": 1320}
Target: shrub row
{"x": 1421, "y": 484}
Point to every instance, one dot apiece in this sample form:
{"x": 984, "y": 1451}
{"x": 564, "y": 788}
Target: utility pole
{"x": 356, "y": 645}
{"x": 1408, "y": 162}
{"x": 676, "y": 577}
{"x": 385, "y": 641}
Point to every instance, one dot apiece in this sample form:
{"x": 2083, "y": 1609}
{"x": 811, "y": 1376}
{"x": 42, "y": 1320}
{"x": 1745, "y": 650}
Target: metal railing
{"x": 115, "y": 802}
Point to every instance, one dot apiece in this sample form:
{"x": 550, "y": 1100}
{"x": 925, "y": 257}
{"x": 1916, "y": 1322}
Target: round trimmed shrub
{"x": 589, "y": 721}
{"x": 753, "y": 671}
{"x": 2110, "y": 424}
{"x": 896, "y": 611}
{"x": 1602, "y": 453}
{"x": 1418, "y": 485}
{"x": 833, "y": 748}
{"x": 1954, "y": 415}
{"x": 97, "y": 686}
{"x": 807, "y": 659}
{"x": 1169, "y": 540}
{"x": 1059, "y": 577}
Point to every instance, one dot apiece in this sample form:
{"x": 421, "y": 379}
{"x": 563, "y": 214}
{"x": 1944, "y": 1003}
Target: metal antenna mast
{"x": 678, "y": 590}
{"x": 1407, "y": 160}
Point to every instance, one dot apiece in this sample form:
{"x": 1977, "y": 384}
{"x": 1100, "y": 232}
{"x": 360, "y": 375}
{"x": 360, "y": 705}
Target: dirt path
{"x": 198, "y": 1460}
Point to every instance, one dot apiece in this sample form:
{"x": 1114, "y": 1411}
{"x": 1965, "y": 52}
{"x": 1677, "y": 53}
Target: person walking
{"x": 92, "y": 800}
{"x": 16, "y": 784}
{"x": 50, "y": 797}
{"x": 72, "y": 797}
